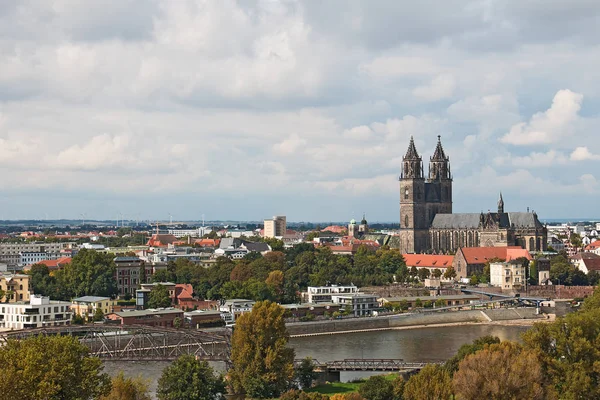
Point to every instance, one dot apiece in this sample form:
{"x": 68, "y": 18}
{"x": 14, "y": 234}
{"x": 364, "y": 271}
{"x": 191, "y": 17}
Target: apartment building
{"x": 10, "y": 253}
{"x": 15, "y": 287}
{"x": 322, "y": 294}
{"x": 507, "y": 275}
{"x": 128, "y": 273}
{"x": 275, "y": 227}
{"x": 87, "y": 306}
{"x": 39, "y": 312}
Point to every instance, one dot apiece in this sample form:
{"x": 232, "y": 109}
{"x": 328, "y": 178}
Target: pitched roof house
{"x": 469, "y": 260}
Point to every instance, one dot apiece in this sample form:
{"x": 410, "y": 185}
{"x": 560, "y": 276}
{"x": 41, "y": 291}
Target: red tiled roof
{"x": 592, "y": 264}
{"x": 158, "y": 240}
{"x": 208, "y": 242}
{"x": 334, "y": 229}
{"x": 427, "y": 260}
{"x": 593, "y": 245}
{"x": 56, "y": 264}
{"x": 480, "y": 255}
{"x": 184, "y": 291}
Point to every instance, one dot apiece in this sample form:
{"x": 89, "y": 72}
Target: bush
{"x": 377, "y": 388}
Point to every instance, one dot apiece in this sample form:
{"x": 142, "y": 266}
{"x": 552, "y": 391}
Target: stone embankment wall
{"x": 408, "y": 320}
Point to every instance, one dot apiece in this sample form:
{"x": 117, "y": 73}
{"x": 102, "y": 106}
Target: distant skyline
{"x": 242, "y": 110}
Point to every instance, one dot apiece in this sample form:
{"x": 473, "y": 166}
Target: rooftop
{"x": 90, "y": 299}
{"x": 148, "y": 312}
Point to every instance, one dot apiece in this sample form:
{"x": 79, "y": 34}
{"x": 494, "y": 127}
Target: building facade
{"x": 39, "y": 312}
{"x": 357, "y": 304}
{"x": 322, "y": 294}
{"x": 507, "y": 275}
{"x": 15, "y": 287}
{"x": 87, "y": 306}
{"x": 275, "y": 227}
{"x": 427, "y": 223}
{"x": 10, "y": 253}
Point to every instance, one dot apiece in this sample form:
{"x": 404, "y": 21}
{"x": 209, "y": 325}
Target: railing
{"x": 367, "y": 364}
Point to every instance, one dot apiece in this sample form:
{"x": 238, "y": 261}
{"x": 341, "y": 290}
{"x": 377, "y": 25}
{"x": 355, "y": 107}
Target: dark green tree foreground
{"x": 50, "y": 368}
{"x": 189, "y": 379}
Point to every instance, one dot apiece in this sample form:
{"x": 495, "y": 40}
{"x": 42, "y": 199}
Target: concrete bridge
{"x": 138, "y": 342}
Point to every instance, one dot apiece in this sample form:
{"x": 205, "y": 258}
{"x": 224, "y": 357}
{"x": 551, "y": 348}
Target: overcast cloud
{"x": 246, "y": 109}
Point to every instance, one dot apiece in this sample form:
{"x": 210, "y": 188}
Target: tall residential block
{"x": 275, "y": 227}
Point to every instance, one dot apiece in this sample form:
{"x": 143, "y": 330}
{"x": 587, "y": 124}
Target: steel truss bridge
{"x": 139, "y": 343}
{"x": 368, "y": 364}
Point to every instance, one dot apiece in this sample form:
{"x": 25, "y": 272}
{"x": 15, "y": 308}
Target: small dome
{"x": 352, "y": 221}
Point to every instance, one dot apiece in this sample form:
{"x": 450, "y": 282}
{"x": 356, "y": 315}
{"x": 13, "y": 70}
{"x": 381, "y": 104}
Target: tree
{"x": 424, "y": 273}
{"x": 190, "y": 379}
{"x": 50, "y": 368}
{"x": 305, "y": 373}
{"x": 377, "y": 388}
{"x": 263, "y": 365}
{"x": 127, "y": 389}
{"x": 500, "y": 371}
{"x": 437, "y": 273}
{"x": 466, "y": 349}
{"x": 98, "y": 315}
{"x": 159, "y": 297}
{"x": 473, "y": 280}
{"x": 89, "y": 273}
{"x": 163, "y": 275}
{"x": 431, "y": 383}
{"x": 450, "y": 273}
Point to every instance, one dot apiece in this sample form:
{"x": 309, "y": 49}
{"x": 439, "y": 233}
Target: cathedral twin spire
{"x": 439, "y": 163}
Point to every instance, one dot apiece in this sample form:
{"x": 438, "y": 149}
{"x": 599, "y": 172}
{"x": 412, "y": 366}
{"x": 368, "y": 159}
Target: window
{"x": 406, "y": 194}
{"x": 406, "y": 221}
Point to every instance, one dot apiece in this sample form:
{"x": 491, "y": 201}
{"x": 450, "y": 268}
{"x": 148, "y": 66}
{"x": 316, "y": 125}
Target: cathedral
{"x": 427, "y": 224}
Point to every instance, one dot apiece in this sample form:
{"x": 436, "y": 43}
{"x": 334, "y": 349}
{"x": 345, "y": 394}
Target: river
{"x": 422, "y": 344}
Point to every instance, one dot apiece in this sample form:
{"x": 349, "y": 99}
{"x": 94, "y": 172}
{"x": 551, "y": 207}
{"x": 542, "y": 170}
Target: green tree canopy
{"x": 377, "y": 388}
{"x": 159, "y": 297}
{"x": 263, "y": 365}
{"x": 50, "y": 368}
{"x": 89, "y": 273}
{"x": 189, "y": 379}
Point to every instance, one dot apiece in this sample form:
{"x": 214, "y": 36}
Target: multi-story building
{"x": 356, "y": 304}
{"x": 130, "y": 275}
{"x": 507, "y": 275}
{"x": 179, "y": 233}
{"x": 39, "y": 312}
{"x": 10, "y": 253}
{"x": 15, "y": 287}
{"x": 322, "y": 294}
{"x": 87, "y": 306}
{"x": 236, "y": 307}
{"x": 275, "y": 227}
{"x": 35, "y": 257}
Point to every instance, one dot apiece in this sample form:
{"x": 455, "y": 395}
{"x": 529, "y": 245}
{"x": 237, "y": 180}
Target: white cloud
{"x": 289, "y": 145}
{"x": 362, "y": 132}
{"x": 549, "y": 126}
{"x": 534, "y": 160}
{"x": 583, "y": 154}
{"x": 441, "y": 87}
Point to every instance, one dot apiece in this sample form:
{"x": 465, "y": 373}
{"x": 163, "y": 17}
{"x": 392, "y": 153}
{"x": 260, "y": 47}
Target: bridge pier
{"x": 327, "y": 376}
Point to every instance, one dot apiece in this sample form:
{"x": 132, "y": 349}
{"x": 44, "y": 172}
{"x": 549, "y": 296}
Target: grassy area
{"x": 343, "y": 387}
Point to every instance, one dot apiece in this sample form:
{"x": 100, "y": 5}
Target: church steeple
{"x": 412, "y": 167}
{"x": 439, "y": 164}
{"x": 501, "y": 204}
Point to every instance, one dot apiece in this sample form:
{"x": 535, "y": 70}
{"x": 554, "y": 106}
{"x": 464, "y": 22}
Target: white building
{"x": 323, "y": 294}
{"x": 507, "y": 275}
{"x": 356, "y": 304}
{"x": 39, "y": 312}
{"x": 179, "y": 233}
{"x": 34, "y": 257}
{"x": 236, "y": 307}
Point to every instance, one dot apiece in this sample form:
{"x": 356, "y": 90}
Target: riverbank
{"x": 523, "y": 317}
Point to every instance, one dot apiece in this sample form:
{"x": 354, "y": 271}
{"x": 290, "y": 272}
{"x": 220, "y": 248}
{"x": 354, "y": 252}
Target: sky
{"x": 242, "y": 110}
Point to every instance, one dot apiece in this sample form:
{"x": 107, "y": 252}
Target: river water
{"x": 423, "y": 344}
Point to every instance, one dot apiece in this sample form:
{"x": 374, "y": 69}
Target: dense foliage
{"x": 263, "y": 365}
{"x": 190, "y": 379}
{"x": 89, "y": 273}
{"x": 50, "y": 368}
{"x": 159, "y": 297}
{"x": 123, "y": 388}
